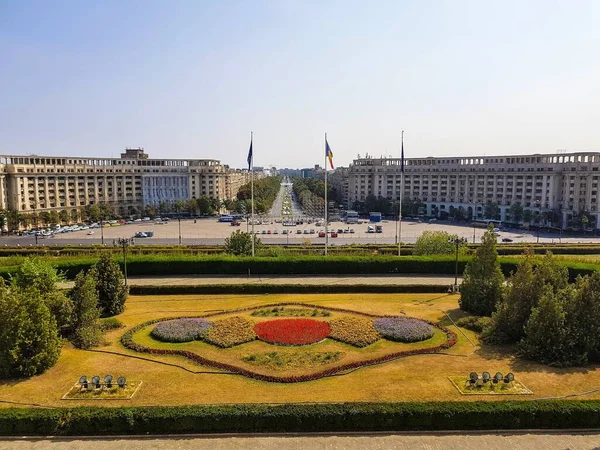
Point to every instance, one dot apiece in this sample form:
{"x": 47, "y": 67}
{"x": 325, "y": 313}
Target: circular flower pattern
{"x": 403, "y": 329}
{"x": 292, "y": 331}
{"x": 181, "y": 330}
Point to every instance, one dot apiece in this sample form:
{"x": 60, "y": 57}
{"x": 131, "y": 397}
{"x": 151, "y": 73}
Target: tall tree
{"x": 481, "y": 289}
{"x": 515, "y": 212}
{"x": 86, "y": 324}
{"x": 29, "y": 339}
{"x": 112, "y": 293}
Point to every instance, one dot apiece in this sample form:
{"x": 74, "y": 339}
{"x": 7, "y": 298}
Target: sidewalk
{"x": 180, "y": 280}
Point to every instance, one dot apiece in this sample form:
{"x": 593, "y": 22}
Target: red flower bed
{"x": 292, "y": 331}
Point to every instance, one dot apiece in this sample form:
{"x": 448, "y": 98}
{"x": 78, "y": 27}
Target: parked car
{"x": 334, "y": 235}
{"x": 507, "y": 240}
{"x": 321, "y": 234}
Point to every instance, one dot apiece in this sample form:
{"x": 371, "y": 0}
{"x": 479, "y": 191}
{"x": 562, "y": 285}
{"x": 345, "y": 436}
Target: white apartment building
{"x": 46, "y": 183}
{"x": 566, "y": 182}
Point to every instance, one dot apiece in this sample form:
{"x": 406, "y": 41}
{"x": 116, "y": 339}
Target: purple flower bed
{"x": 403, "y": 329}
{"x": 181, "y": 330}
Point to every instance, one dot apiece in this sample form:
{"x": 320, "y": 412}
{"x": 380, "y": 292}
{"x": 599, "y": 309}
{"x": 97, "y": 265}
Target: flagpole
{"x": 326, "y": 217}
{"x": 401, "y": 195}
{"x": 252, "y": 190}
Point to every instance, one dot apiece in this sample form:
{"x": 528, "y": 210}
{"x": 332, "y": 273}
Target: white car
{"x": 91, "y": 232}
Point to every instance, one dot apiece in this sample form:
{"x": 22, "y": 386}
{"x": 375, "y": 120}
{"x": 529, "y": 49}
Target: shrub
{"x": 111, "y": 290}
{"x": 403, "y": 329}
{"x": 292, "y": 331}
{"x": 474, "y": 323}
{"x": 110, "y": 323}
{"x": 357, "y": 331}
{"x": 239, "y": 243}
{"x": 231, "y": 331}
{"x": 181, "y": 330}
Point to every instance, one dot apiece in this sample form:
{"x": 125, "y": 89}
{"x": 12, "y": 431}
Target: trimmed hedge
{"x": 287, "y": 289}
{"x": 292, "y": 265}
{"x": 298, "y": 418}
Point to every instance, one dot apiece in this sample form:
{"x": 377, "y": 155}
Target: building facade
{"x": 564, "y": 183}
{"x": 46, "y": 183}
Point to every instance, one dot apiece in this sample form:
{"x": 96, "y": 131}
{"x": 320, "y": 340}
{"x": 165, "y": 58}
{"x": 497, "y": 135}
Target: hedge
{"x": 299, "y": 418}
{"x": 287, "y": 289}
{"x": 292, "y": 265}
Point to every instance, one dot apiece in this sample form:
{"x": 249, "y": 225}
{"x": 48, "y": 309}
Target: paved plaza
{"x": 500, "y": 441}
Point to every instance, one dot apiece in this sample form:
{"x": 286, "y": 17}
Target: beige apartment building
{"x": 565, "y": 182}
{"x": 46, "y": 183}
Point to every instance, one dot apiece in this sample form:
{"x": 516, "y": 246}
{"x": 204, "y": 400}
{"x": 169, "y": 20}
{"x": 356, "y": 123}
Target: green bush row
{"x": 296, "y": 418}
{"x": 292, "y": 265}
{"x": 287, "y": 289}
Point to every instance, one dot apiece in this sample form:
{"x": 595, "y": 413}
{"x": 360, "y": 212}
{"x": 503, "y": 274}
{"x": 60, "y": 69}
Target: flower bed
{"x": 181, "y": 330}
{"x": 292, "y": 331}
{"x": 229, "y": 332}
{"x": 403, "y": 329}
{"x": 357, "y": 331}
{"x": 291, "y": 312}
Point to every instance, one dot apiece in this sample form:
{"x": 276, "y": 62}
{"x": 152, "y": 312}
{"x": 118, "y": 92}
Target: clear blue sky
{"x": 191, "y": 79}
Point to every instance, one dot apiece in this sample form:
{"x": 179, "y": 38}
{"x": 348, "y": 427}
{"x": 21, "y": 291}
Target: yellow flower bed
{"x": 357, "y": 331}
{"x": 231, "y": 331}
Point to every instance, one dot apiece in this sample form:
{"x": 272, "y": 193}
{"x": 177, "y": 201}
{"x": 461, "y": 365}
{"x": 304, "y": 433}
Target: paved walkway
{"x": 561, "y": 441}
{"x": 180, "y": 280}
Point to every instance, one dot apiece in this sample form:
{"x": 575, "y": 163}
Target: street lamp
{"x": 539, "y": 205}
{"x": 124, "y": 243}
{"x": 179, "y": 222}
{"x": 457, "y": 242}
{"x": 35, "y": 224}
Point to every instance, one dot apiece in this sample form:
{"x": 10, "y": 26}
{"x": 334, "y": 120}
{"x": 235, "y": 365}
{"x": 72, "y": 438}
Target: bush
{"x": 403, "y": 329}
{"x": 301, "y": 418}
{"x": 181, "y": 330}
{"x": 110, "y": 323}
{"x": 357, "y": 331}
{"x": 230, "y": 332}
{"x": 112, "y": 293}
{"x": 474, "y": 323}
{"x": 239, "y": 243}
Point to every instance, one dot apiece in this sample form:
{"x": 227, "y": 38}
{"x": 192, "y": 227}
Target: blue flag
{"x": 250, "y": 156}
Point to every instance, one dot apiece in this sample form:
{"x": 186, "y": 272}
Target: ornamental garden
{"x": 313, "y": 342}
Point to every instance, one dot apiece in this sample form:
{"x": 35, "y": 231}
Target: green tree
{"x": 179, "y": 205}
{"x": 240, "y": 243}
{"x": 86, "y": 324}
{"x": 53, "y": 217}
{"x": 492, "y": 211}
{"x": 93, "y": 212}
{"x": 29, "y": 340}
{"x": 64, "y": 216}
{"x": 516, "y": 213}
{"x": 112, "y": 293}
{"x": 547, "y": 333}
{"x": 192, "y": 207}
{"x": 204, "y": 205}
{"x": 41, "y": 276}
{"x": 481, "y": 289}
{"x": 74, "y": 215}
{"x": 583, "y": 313}
{"x": 150, "y": 211}
{"x": 436, "y": 243}
{"x": 522, "y": 294}
{"x": 527, "y": 216}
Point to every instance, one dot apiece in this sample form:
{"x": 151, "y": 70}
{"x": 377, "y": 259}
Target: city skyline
{"x": 192, "y": 81}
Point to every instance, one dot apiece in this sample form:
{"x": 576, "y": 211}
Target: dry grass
{"x": 422, "y": 377}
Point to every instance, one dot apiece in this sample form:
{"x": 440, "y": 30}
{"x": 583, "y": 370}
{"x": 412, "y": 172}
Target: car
{"x": 263, "y": 232}
{"x": 90, "y": 232}
{"x": 351, "y": 230}
{"x": 370, "y": 229}
{"x": 146, "y": 219}
{"x": 268, "y": 231}
{"x": 284, "y": 232}
{"x": 312, "y": 231}
{"x": 321, "y": 234}
{"x": 275, "y": 232}
{"x": 334, "y": 235}
{"x": 507, "y": 240}
{"x": 306, "y": 232}
{"x": 340, "y": 231}
{"x": 298, "y": 231}
{"x": 347, "y": 230}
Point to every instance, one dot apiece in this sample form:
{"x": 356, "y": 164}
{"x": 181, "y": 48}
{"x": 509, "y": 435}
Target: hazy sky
{"x": 191, "y": 79}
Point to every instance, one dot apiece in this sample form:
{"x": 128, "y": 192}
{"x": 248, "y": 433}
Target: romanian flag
{"x": 329, "y": 153}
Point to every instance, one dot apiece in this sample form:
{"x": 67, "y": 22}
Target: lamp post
{"x": 474, "y": 217}
{"x": 539, "y": 205}
{"x": 35, "y": 224}
{"x": 124, "y": 243}
{"x": 457, "y": 242}
{"x": 179, "y": 222}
